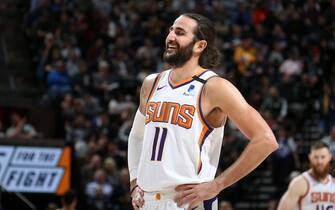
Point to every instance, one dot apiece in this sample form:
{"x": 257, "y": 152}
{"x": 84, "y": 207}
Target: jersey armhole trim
{"x": 203, "y": 136}
{"x": 153, "y": 88}
{"x": 306, "y": 193}
{"x": 199, "y": 110}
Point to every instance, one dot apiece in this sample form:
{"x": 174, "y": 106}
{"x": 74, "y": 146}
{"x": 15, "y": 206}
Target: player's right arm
{"x": 298, "y": 188}
{"x": 137, "y": 131}
{"x": 135, "y": 141}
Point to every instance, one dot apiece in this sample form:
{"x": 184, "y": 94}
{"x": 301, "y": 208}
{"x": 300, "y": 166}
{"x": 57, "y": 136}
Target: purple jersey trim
{"x": 153, "y": 86}
{"x": 202, "y": 143}
{"x": 208, "y": 203}
{"x": 185, "y": 83}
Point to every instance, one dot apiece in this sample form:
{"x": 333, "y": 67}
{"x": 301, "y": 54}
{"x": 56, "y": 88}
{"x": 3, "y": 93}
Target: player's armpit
{"x": 296, "y": 190}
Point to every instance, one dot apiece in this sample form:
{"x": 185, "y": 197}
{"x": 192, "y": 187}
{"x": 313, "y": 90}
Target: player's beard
{"x": 320, "y": 173}
{"x": 180, "y": 55}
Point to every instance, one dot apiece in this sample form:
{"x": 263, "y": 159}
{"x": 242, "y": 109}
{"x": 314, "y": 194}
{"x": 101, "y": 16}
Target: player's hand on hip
{"x": 137, "y": 199}
{"x": 194, "y": 194}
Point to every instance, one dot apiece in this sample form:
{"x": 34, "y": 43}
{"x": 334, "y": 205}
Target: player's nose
{"x": 171, "y": 36}
{"x": 320, "y": 162}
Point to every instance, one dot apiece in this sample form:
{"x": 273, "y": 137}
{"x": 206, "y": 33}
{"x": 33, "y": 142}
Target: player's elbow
{"x": 270, "y": 142}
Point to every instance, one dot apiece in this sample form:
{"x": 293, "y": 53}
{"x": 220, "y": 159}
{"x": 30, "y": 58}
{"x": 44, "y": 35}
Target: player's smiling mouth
{"x": 171, "y": 46}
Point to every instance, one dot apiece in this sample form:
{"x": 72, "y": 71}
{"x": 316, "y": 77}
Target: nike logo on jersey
{"x": 158, "y": 88}
{"x": 182, "y": 115}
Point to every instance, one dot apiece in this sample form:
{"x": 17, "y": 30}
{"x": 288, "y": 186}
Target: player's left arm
{"x": 250, "y": 123}
{"x": 222, "y": 95}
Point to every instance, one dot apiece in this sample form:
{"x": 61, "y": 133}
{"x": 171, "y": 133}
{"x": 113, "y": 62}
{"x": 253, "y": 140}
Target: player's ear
{"x": 310, "y": 156}
{"x": 200, "y": 46}
{"x": 329, "y": 156}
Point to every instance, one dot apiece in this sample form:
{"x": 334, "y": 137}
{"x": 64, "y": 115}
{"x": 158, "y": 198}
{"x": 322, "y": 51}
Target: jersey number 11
{"x": 161, "y": 144}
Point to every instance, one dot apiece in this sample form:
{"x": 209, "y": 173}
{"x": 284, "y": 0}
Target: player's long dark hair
{"x": 205, "y": 30}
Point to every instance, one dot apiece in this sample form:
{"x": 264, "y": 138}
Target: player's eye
{"x": 178, "y": 32}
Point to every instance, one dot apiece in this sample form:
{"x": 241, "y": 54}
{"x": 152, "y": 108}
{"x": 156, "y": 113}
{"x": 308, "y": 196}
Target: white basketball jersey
{"x": 179, "y": 147}
{"x": 319, "y": 196}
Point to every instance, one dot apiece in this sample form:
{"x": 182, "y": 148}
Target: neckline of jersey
{"x": 321, "y": 182}
{"x": 185, "y": 81}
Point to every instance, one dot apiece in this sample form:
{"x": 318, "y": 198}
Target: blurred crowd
{"x": 92, "y": 55}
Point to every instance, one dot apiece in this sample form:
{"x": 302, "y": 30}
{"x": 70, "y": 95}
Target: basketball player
{"x": 175, "y": 142}
{"x": 315, "y": 188}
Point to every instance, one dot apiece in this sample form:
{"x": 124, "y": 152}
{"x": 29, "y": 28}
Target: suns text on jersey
{"x": 322, "y": 197}
{"x": 182, "y": 115}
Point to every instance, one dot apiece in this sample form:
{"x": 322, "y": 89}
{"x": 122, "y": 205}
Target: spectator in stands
{"x": 67, "y": 106}
{"x": 121, "y": 104}
{"x": 47, "y": 56}
{"x": 102, "y": 124}
{"x": 58, "y": 81}
{"x": 330, "y": 140}
{"x": 91, "y": 106}
{"x": 276, "y": 54}
{"x": 99, "y": 191}
{"x": 89, "y": 168}
{"x": 102, "y": 145}
{"x": 103, "y": 82}
{"x": 111, "y": 170}
{"x": 275, "y": 104}
{"x": 245, "y": 56}
{"x": 78, "y": 129}
{"x": 73, "y": 61}
{"x": 242, "y": 14}
{"x": 19, "y": 128}
{"x": 69, "y": 200}
{"x": 124, "y": 130}
{"x": 293, "y": 65}
{"x": 81, "y": 82}
{"x": 146, "y": 54}
{"x": 117, "y": 154}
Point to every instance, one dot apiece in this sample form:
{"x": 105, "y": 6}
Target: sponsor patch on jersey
{"x": 190, "y": 91}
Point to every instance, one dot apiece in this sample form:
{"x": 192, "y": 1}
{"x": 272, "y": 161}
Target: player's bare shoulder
{"x": 297, "y": 189}
{"x": 147, "y": 84}
{"x": 299, "y": 185}
{"x": 222, "y": 93}
{"x": 216, "y": 82}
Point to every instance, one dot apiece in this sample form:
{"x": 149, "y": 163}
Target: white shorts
{"x": 164, "y": 201}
